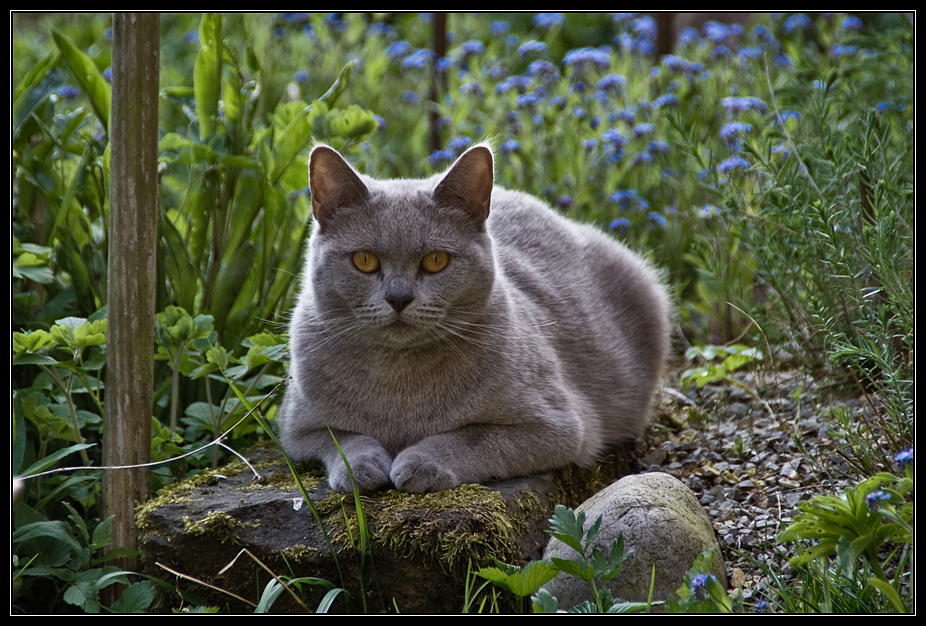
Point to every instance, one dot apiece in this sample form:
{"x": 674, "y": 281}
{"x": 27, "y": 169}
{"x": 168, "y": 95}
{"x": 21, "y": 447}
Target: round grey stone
{"x": 662, "y": 523}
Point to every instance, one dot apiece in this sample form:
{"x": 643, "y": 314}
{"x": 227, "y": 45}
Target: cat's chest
{"x": 414, "y": 388}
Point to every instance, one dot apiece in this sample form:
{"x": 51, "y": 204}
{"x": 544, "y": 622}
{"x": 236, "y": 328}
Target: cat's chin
{"x": 401, "y": 334}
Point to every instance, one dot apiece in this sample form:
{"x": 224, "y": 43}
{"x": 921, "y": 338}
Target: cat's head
{"x": 404, "y": 261}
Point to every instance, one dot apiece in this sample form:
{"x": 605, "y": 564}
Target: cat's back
{"x": 602, "y": 306}
{"x": 534, "y": 243}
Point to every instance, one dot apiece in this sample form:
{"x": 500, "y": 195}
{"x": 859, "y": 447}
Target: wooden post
{"x": 133, "y": 206}
{"x": 438, "y": 80}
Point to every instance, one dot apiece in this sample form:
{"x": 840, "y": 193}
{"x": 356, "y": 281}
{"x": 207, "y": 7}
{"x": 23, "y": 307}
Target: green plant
{"x": 70, "y": 557}
{"x": 593, "y": 569}
{"x": 868, "y": 532}
{"x": 701, "y": 592}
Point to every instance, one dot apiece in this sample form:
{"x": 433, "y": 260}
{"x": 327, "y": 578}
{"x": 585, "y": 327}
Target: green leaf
{"x": 568, "y": 527}
{"x": 53, "y": 458}
{"x": 890, "y": 593}
{"x": 521, "y": 581}
{"x": 291, "y": 141}
{"x": 229, "y": 283}
{"x": 207, "y": 73}
{"x": 544, "y": 602}
{"x": 136, "y": 598}
{"x": 55, "y": 530}
{"x": 34, "y": 91}
{"x": 334, "y": 92}
{"x": 353, "y": 122}
{"x": 579, "y": 569}
{"x": 87, "y": 76}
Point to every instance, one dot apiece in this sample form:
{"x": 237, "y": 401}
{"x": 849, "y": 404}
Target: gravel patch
{"x": 751, "y": 449}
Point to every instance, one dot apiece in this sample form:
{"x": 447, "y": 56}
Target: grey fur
{"x": 541, "y": 342}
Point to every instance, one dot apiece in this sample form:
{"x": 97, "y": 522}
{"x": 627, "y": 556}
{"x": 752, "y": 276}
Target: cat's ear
{"x": 333, "y": 183}
{"x": 468, "y": 183}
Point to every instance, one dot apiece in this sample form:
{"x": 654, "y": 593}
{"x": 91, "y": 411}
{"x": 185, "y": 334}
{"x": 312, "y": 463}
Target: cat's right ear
{"x": 333, "y": 184}
{"x": 469, "y": 182}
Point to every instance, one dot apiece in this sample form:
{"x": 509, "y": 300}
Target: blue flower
{"x": 874, "y": 499}
{"x": 549, "y": 20}
{"x": 750, "y": 53}
{"x": 688, "y": 36}
{"x": 590, "y": 144}
{"x": 398, "y": 50}
{"x": 645, "y": 27}
{"x": 762, "y": 34}
{"x": 736, "y": 105}
{"x": 642, "y": 129}
{"x": 498, "y": 72}
{"x": 624, "y": 198}
{"x": 735, "y": 162}
{"x": 656, "y": 219}
{"x": 904, "y": 458}
{"x": 473, "y": 47}
{"x": 787, "y": 116}
{"x": 418, "y": 59}
{"x": 578, "y": 112}
{"x": 841, "y": 50}
{"x": 581, "y": 57}
{"x": 301, "y": 76}
{"x": 620, "y": 225}
{"x": 797, "y": 22}
{"x": 612, "y": 82}
{"x": 509, "y": 146}
{"x": 731, "y": 133}
{"x": 851, "y": 23}
{"x": 674, "y": 63}
{"x": 410, "y": 97}
{"x": 68, "y": 92}
{"x": 440, "y": 157}
{"x": 699, "y": 585}
{"x": 669, "y": 99}
{"x": 532, "y": 48}
{"x": 459, "y": 144}
{"x": 527, "y": 100}
{"x": 716, "y": 32}
{"x": 518, "y": 83}
{"x": 657, "y": 147}
{"x": 642, "y": 157}
{"x": 623, "y": 115}
{"x": 377, "y": 29}
{"x": 499, "y": 28}
{"x": 543, "y": 69}
{"x": 782, "y": 150}
{"x": 473, "y": 88}
{"x": 564, "y": 202}
{"x": 783, "y": 60}
{"x": 761, "y": 606}
{"x": 614, "y": 137}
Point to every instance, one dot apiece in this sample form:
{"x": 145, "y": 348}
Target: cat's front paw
{"x": 416, "y": 471}
{"x": 370, "y": 470}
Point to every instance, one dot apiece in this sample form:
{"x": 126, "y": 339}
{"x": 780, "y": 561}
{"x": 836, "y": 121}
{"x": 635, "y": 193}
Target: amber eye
{"x": 365, "y": 261}
{"x": 435, "y": 261}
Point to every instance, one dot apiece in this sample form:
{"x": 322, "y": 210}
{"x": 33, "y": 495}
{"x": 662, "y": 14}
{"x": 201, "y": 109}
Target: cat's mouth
{"x": 403, "y": 333}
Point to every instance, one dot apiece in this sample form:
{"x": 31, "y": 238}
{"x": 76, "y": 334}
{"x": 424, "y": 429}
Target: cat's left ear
{"x": 468, "y": 183}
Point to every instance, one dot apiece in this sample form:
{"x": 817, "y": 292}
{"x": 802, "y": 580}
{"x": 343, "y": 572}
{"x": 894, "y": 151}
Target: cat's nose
{"x": 399, "y": 294}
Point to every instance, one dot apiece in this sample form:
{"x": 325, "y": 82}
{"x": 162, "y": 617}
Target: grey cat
{"x": 446, "y": 343}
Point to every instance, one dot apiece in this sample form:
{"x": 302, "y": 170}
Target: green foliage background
{"x": 767, "y": 169}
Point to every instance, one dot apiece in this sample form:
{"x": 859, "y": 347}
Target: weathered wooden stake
{"x": 133, "y": 209}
